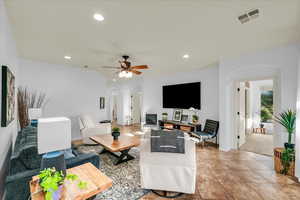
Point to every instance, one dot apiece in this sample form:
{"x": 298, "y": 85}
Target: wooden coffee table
{"x": 95, "y": 179}
{"x": 123, "y": 145}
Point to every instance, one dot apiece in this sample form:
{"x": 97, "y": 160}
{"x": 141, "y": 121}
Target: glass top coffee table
{"x": 123, "y": 145}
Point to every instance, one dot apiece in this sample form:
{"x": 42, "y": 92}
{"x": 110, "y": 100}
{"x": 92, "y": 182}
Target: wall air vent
{"x": 248, "y": 16}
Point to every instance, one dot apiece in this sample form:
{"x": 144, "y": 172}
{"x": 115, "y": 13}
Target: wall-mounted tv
{"x": 183, "y": 96}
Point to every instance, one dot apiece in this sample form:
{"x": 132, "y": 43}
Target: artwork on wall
{"x": 177, "y": 115}
{"x": 8, "y": 97}
{"x": 102, "y": 102}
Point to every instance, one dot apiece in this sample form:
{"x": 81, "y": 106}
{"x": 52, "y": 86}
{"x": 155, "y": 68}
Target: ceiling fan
{"x": 125, "y": 69}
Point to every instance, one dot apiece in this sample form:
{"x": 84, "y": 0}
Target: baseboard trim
{"x": 4, "y": 172}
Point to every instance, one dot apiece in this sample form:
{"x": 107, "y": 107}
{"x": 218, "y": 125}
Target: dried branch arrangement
{"x": 22, "y": 107}
{"x": 28, "y": 100}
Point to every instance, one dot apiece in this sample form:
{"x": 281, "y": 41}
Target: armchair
{"x": 210, "y": 131}
{"x": 88, "y": 128}
{"x": 172, "y": 172}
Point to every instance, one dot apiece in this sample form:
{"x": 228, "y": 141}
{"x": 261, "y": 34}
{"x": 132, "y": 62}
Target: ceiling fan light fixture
{"x": 129, "y": 75}
{"x": 125, "y": 74}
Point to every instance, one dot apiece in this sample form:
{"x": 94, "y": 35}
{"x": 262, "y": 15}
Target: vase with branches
{"x": 28, "y": 100}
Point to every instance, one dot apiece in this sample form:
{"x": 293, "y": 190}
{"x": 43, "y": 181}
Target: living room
{"x": 72, "y": 53}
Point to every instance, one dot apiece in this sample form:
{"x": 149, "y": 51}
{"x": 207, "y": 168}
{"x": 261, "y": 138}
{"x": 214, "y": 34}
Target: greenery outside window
{"x": 266, "y": 112}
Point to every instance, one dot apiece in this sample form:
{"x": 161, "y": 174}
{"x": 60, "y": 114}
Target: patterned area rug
{"x": 125, "y": 176}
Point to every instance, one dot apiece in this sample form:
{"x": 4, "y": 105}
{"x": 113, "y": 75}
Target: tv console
{"x": 188, "y": 127}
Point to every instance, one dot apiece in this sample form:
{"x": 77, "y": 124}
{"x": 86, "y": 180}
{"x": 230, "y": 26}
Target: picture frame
{"x": 8, "y": 99}
{"x": 177, "y": 115}
{"x": 102, "y": 103}
{"x": 184, "y": 119}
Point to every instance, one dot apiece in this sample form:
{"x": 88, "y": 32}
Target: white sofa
{"x": 89, "y": 128}
{"x": 173, "y": 172}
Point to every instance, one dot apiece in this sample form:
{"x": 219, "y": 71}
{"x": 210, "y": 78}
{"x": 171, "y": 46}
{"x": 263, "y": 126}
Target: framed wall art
{"x": 8, "y": 104}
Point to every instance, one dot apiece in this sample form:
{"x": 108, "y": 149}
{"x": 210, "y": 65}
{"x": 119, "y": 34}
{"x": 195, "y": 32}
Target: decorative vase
{"x": 164, "y": 117}
{"x": 115, "y": 135}
{"x": 290, "y": 146}
{"x": 56, "y": 195}
{"x": 261, "y": 125}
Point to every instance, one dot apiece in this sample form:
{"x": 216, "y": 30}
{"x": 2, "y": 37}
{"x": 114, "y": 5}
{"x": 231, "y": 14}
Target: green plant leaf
{"x": 71, "y": 177}
{"x": 288, "y": 120}
{"x": 82, "y": 185}
{"x": 48, "y": 196}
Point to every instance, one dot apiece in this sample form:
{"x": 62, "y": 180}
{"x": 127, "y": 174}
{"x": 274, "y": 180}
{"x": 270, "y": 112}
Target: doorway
{"x": 255, "y": 107}
{"x": 114, "y": 109}
{"x": 135, "y": 108}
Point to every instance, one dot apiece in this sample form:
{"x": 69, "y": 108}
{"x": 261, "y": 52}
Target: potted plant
{"x": 115, "y": 133}
{"x": 164, "y": 116}
{"x": 51, "y": 182}
{"x": 195, "y": 118}
{"x": 288, "y": 120}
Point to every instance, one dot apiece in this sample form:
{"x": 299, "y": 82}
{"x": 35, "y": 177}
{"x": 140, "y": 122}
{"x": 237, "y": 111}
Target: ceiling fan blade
{"x": 140, "y": 67}
{"x": 136, "y": 72}
{"x": 110, "y": 67}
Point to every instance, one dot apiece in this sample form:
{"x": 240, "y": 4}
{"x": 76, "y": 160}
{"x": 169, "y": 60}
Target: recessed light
{"x": 98, "y": 17}
{"x": 68, "y": 57}
{"x": 186, "y": 56}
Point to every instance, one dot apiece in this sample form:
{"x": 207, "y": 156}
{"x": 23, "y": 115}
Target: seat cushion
{"x": 204, "y": 134}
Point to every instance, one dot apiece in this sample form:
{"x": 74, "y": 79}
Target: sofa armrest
{"x": 17, "y": 185}
{"x": 83, "y": 158}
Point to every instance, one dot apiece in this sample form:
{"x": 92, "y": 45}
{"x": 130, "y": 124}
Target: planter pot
{"x": 164, "y": 117}
{"x": 34, "y": 113}
{"x": 115, "y": 135}
{"x": 277, "y": 162}
{"x": 58, "y": 193}
{"x": 290, "y": 146}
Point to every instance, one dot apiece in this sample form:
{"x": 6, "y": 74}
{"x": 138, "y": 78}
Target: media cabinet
{"x": 188, "y": 127}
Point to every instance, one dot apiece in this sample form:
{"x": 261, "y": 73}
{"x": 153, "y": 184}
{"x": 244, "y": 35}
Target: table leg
{"x": 124, "y": 157}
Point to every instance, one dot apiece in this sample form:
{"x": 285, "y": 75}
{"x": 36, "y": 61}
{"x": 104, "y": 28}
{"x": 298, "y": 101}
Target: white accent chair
{"x": 172, "y": 172}
{"x": 89, "y": 128}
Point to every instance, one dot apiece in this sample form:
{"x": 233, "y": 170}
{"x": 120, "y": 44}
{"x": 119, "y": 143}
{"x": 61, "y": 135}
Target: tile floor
{"x": 238, "y": 175}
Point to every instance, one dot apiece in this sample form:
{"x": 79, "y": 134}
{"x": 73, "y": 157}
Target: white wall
{"x": 8, "y": 56}
{"x": 297, "y": 170}
{"x": 70, "y": 91}
{"x": 278, "y": 63}
{"x": 209, "y": 78}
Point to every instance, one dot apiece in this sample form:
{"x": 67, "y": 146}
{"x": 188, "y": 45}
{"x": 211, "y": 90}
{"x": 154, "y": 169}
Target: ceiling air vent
{"x": 244, "y": 18}
{"x": 248, "y": 16}
{"x": 253, "y": 14}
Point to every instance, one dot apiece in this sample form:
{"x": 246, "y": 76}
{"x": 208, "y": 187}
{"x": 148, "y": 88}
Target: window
{"x": 266, "y": 111}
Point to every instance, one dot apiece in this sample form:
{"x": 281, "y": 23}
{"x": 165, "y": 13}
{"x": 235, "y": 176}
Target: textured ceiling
{"x": 156, "y": 32}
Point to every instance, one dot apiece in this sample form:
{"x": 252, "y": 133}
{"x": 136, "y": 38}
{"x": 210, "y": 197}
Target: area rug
{"x": 125, "y": 176}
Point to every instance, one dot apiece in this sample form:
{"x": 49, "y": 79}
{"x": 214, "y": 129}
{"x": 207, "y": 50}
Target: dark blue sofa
{"x": 25, "y": 163}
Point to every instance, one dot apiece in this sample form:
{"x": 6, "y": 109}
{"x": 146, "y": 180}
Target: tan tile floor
{"x": 238, "y": 175}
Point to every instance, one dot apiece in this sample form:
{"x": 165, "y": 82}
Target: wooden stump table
{"x": 277, "y": 162}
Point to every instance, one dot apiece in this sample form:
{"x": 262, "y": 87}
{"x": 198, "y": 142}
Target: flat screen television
{"x": 183, "y": 96}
